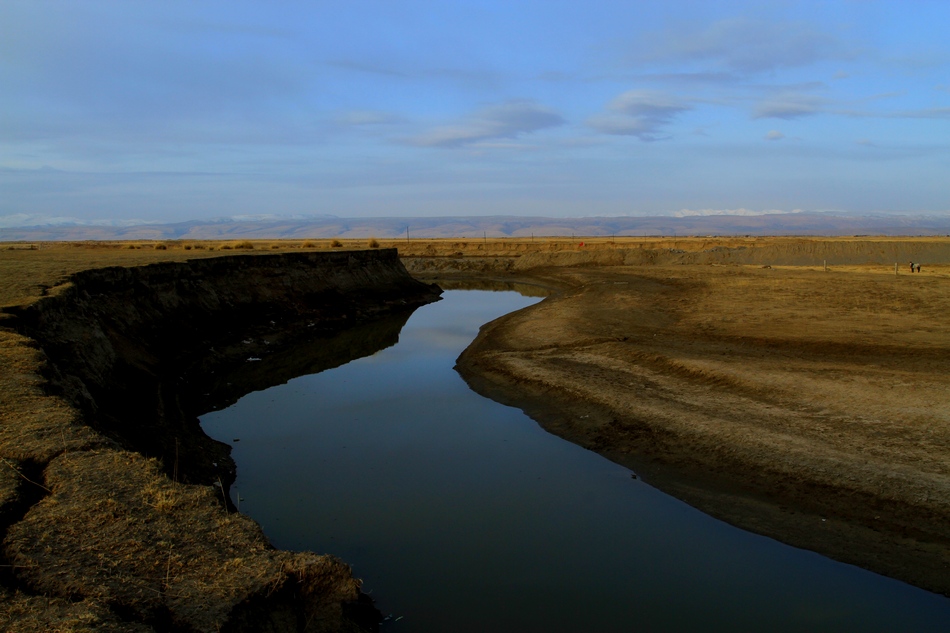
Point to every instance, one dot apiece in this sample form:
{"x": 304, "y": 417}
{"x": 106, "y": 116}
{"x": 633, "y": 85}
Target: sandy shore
{"x": 808, "y": 405}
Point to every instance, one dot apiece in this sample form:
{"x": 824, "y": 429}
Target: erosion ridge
{"x": 115, "y": 507}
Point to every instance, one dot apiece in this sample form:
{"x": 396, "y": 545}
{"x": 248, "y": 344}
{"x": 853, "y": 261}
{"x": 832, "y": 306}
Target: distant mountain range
{"x": 494, "y": 226}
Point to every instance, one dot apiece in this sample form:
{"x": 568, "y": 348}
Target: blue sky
{"x": 127, "y": 111}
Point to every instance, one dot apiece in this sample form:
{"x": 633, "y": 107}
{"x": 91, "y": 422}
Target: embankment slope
{"x": 115, "y": 516}
{"x": 808, "y": 405}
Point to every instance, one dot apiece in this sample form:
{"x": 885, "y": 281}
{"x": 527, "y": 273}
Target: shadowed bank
{"x": 129, "y": 527}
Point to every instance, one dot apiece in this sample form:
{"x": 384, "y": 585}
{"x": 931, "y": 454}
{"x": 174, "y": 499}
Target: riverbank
{"x": 116, "y": 509}
{"x": 796, "y": 388}
{"x": 804, "y": 403}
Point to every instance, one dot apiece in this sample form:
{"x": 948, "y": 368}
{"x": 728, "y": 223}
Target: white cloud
{"x": 925, "y": 113}
{"x": 647, "y": 103}
{"x": 774, "y": 135}
{"x": 683, "y": 213}
{"x": 744, "y": 45}
{"x": 620, "y": 125}
{"x": 34, "y": 219}
{"x": 640, "y": 113}
{"x": 504, "y": 121}
{"x": 788, "y": 105}
{"x": 366, "y": 117}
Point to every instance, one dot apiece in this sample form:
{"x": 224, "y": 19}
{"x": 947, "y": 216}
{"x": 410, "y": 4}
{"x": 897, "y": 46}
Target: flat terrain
{"x": 28, "y": 270}
{"x": 796, "y": 387}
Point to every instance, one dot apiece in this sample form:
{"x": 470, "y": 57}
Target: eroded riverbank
{"x": 118, "y": 520}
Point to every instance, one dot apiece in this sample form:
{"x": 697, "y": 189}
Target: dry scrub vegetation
{"x": 116, "y": 531}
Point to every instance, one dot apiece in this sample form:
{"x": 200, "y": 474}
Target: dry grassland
{"x": 796, "y": 387}
{"x": 30, "y": 269}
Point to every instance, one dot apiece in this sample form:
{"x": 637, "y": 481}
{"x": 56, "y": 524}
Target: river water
{"x": 461, "y": 514}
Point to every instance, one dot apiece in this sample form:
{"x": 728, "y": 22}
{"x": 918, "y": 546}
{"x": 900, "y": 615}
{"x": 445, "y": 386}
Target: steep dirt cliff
{"x": 117, "y": 505}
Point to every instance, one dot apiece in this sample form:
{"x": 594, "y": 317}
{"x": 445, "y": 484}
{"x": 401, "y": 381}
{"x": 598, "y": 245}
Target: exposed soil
{"x": 812, "y": 406}
{"x": 114, "y": 503}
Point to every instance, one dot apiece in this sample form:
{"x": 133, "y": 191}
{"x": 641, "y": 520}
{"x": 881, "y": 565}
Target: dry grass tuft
{"x": 22, "y": 613}
{"x": 162, "y": 498}
{"x": 45, "y": 424}
{"x": 115, "y": 529}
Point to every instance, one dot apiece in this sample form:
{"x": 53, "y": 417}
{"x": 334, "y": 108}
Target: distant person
{"x": 912, "y": 267}
{"x": 918, "y": 267}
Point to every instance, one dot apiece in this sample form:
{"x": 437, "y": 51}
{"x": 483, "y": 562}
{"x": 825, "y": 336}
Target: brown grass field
{"x": 28, "y": 269}
{"x": 795, "y": 387}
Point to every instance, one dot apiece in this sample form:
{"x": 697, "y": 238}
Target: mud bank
{"x": 114, "y": 508}
{"x": 805, "y": 405}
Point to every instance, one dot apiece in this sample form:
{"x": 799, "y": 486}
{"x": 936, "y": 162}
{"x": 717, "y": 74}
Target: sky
{"x": 125, "y": 111}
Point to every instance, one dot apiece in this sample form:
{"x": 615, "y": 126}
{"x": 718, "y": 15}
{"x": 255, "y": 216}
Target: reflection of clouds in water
{"x": 426, "y": 340}
{"x": 471, "y": 308}
{"x": 446, "y": 338}
{"x": 489, "y": 285}
{"x": 449, "y": 325}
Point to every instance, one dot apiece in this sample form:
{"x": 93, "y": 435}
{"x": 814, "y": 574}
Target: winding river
{"x": 461, "y": 514}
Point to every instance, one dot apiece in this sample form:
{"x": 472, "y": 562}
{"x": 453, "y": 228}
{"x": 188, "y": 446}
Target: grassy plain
{"x": 30, "y": 269}
{"x": 797, "y": 387}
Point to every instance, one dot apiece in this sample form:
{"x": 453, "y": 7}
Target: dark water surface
{"x": 461, "y": 514}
